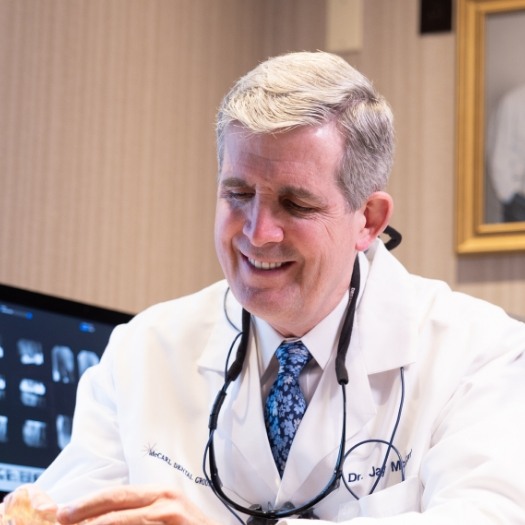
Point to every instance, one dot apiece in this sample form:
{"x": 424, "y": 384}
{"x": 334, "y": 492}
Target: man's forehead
{"x": 304, "y": 146}
{"x": 329, "y": 131}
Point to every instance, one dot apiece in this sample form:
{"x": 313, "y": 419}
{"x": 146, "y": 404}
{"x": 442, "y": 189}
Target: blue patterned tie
{"x": 286, "y": 405}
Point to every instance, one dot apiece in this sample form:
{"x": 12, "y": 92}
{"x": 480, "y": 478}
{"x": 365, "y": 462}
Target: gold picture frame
{"x": 481, "y": 86}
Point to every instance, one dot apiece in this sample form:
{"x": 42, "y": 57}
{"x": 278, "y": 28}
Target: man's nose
{"x": 262, "y": 225}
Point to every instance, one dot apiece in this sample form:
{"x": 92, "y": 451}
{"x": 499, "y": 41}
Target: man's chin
{"x": 283, "y": 316}
{"x": 266, "y": 304}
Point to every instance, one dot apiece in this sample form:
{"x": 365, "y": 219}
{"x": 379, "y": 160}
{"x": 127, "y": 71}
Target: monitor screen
{"x": 46, "y": 344}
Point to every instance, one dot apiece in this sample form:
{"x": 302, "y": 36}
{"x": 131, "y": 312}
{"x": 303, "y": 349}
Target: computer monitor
{"x": 46, "y": 344}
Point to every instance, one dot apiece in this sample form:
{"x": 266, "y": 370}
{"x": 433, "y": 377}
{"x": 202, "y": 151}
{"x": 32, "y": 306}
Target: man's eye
{"x": 237, "y": 195}
{"x": 299, "y": 208}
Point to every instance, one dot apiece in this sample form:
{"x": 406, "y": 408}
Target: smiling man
{"x": 286, "y": 236}
{"x": 230, "y": 405}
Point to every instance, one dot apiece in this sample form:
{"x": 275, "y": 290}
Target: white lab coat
{"x": 142, "y": 414}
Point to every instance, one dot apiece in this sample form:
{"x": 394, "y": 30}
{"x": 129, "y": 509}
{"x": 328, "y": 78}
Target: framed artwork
{"x": 490, "y": 127}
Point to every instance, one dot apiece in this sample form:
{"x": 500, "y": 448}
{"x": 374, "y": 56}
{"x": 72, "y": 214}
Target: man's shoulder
{"x": 432, "y": 303}
{"x": 452, "y": 305}
{"x": 199, "y": 307}
{"x": 471, "y": 329}
{"x": 426, "y": 294}
{"x": 213, "y": 292}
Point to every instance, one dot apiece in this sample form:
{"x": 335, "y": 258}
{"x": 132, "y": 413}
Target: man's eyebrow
{"x": 233, "y": 182}
{"x": 300, "y": 192}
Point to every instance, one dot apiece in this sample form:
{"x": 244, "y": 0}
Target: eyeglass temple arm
{"x": 395, "y": 238}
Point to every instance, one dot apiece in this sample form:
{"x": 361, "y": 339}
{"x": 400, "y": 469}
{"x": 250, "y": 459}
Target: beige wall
{"x": 107, "y": 161}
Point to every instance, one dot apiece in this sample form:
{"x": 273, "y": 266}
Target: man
{"x": 431, "y": 430}
{"x": 506, "y": 156}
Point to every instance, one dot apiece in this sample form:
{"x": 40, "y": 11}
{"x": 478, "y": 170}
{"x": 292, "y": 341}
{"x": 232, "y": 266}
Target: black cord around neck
{"x": 342, "y": 347}
{"x": 348, "y": 325}
{"x": 236, "y": 367}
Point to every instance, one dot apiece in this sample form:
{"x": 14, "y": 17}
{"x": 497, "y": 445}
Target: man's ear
{"x": 377, "y": 211}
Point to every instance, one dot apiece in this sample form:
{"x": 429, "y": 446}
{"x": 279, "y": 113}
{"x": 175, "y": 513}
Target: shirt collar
{"x": 321, "y": 341}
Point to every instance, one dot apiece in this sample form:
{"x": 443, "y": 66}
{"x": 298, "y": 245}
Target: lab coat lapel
{"x": 248, "y": 437}
{"x": 240, "y": 440}
{"x": 314, "y": 451}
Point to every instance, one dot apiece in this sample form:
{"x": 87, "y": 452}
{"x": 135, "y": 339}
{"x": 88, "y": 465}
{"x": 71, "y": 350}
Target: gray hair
{"x": 310, "y": 89}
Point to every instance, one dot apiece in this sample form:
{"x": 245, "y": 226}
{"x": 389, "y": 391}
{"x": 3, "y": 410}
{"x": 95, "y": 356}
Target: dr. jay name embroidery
{"x": 395, "y": 466}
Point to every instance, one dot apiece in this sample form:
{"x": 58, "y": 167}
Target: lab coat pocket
{"x": 399, "y": 498}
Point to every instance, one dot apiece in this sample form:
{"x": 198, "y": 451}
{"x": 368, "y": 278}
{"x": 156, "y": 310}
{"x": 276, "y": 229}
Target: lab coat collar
{"x": 226, "y": 327}
{"x": 386, "y": 313}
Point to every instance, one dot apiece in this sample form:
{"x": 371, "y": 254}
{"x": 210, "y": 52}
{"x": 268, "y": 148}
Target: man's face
{"x": 284, "y": 234}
